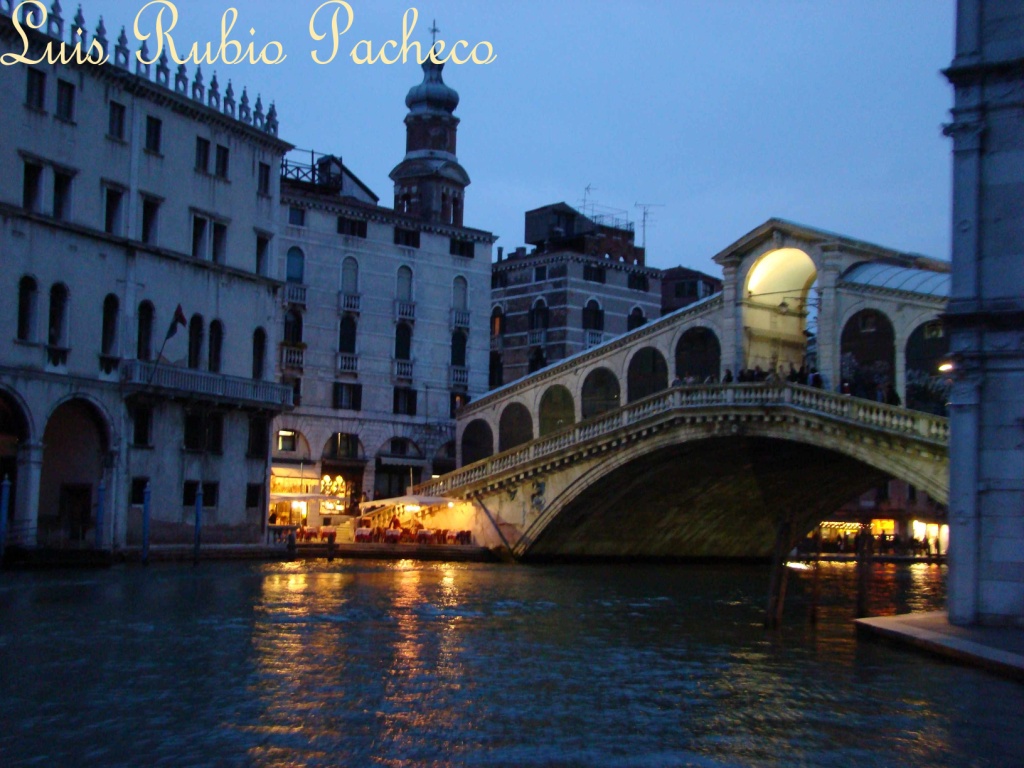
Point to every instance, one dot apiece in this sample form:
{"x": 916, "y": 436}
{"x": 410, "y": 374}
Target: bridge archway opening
{"x": 868, "y": 353}
{"x": 777, "y": 304}
{"x": 716, "y": 497}
{"x": 698, "y": 356}
{"x": 515, "y": 426}
{"x": 557, "y": 410}
{"x": 647, "y": 374}
{"x": 477, "y": 441}
{"x": 600, "y": 393}
{"x": 928, "y": 387}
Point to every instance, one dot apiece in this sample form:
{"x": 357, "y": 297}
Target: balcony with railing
{"x": 458, "y": 376}
{"x": 292, "y": 357}
{"x": 538, "y": 337}
{"x": 348, "y": 362}
{"x": 348, "y": 302}
{"x": 295, "y": 293}
{"x": 592, "y": 338}
{"x": 405, "y": 310}
{"x": 401, "y": 369}
{"x": 460, "y": 318}
{"x": 186, "y": 382}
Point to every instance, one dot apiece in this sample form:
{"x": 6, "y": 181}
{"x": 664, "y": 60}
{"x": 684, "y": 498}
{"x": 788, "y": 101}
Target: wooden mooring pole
{"x": 777, "y": 582}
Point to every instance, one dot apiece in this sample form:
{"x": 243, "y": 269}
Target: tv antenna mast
{"x": 586, "y": 193}
{"x": 646, "y": 208}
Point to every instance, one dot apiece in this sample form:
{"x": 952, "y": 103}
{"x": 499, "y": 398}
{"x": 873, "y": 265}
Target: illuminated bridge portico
{"x": 705, "y": 471}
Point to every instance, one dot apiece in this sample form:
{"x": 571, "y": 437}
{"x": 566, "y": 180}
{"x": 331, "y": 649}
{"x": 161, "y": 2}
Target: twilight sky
{"x": 720, "y": 113}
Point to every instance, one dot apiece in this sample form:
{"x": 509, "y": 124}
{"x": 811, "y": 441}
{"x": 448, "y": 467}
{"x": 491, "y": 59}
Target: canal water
{"x": 367, "y": 663}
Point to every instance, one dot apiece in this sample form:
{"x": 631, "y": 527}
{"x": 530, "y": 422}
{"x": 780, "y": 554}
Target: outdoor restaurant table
{"x": 423, "y": 535}
{"x": 392, "y": 534}
{"x": 362, "y": 534}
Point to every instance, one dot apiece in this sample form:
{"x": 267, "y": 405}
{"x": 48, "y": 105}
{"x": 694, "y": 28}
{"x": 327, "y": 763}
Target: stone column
{"x": 732, "y": 319}
{"x": 964, "y": 525}
{"x": 24, "y": 531}
{"x": 829, "y": 331}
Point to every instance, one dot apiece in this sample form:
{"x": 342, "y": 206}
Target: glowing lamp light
{"x": 946, "y": 367}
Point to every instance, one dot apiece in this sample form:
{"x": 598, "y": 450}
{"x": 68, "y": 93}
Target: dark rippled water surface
{"x": 422, "y": 664}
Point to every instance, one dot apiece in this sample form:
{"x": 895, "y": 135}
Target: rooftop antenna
{"x": 646, "y": 208}
{"x": 586, "y": 193}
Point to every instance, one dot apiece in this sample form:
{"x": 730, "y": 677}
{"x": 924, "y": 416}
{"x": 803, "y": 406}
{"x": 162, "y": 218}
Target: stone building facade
{"x": 137, "y": 211}
{"x": 986, "y": 316}
{"x": 384, "y": 334}
{"x": 584, "y": 282}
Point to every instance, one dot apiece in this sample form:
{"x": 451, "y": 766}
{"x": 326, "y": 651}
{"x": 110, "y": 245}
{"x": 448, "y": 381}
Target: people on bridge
{"x": 727, "y": 379}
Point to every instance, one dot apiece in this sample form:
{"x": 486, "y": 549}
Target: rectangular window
{"x": 263, "y": 181}
{"x": 112, "y": 211}
{"x": 35, "y": 90}
{"x": 407, "y": 237}
{"x": 150, "y": 208}
{"x": 154, "y": 127}
{"x": 458, "y": 400}
{"x": 405, "y": 401}
{"x": 262, "y": 249}
{"x": 638, "y": 282}
{"x": 540, "y": 274}
{"x": 31, "y": 186}
{"x": 199, "y": 236}
{"x": 138, "y": 494}
{"x": 191, "y": 489}
{"x": 297, "y": 216}
{"x": 254, "y": 495}
{"x": 61, "y": 195}
{"x": 220, "y": 242}
{"x": 296, "y": 391}
{"x": 195, "y": 431}
{"x": 593, "y": 273}
{"x": 115, "y": 121}
{"x": 202, "y": 154}
{"x": 65, "y": 101}
{"x": 499, "y": 280}
{"x": 457, "y": 247}
{"x": 348, "y": 397}
{"x": 223, "y": 155}
{"x": 257, "y": 444}
{"x": 142, "y": 426}
{"x": 286, "y": 441}
{"x": 351, "y": 227}
{"x": 214, "y": 423}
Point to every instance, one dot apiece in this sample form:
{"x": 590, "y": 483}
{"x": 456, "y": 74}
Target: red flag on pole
{"x": 178, "y": 319}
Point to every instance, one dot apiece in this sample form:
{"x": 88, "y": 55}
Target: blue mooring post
{"x": 5, "y": 500}
{"x": 100, "y": 493}
{"x": 199, "y": 519}
{"x": 146, "y": 495}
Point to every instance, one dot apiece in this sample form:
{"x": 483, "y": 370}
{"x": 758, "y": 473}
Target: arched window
{"x": 296, "y": 266}
{"x": 636, "y": 319}
{"x": 459, "y": 348}
{"x": 259, "y": 352}
{"x": 593, "y": 316}
{"x": 108, "y": 339}
{"x": 404, "y": 284}
{"x": 28, "y": 292}
{"x": 292, "y": 327}
{"x": 460, "y": 293}
{"x": 195, "y": 341}
{"x": 215, "y": 346}
{"x": 403, "y": 341}
{"x": 539, "y": 316}
{"x": 497, "y": 322}
{"x": 57, "y": 336}
{"x": 347, "y": 335}
{"x": 144, "y": 336}
{"x": 350, "y": 276}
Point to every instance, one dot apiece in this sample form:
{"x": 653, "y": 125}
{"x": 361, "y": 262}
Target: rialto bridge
{"x": 633, "y": 448}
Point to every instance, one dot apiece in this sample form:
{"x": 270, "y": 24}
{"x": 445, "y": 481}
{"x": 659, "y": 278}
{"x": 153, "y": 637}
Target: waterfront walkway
{"x": 999, "y": 649}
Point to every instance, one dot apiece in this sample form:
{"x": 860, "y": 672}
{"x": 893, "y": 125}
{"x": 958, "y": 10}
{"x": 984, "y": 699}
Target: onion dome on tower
{"x": 429, "y": 182}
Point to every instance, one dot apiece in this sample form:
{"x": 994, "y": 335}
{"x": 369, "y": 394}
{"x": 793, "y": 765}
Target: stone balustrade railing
{"x": 876, "y": 416}
{"x": 182, "y": 381}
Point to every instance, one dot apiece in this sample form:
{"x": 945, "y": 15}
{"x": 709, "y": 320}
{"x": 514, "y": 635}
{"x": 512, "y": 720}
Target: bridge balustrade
{"x": 855, "y": 410}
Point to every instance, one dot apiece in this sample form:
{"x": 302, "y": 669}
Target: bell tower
{"x": 429, "y": 182}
